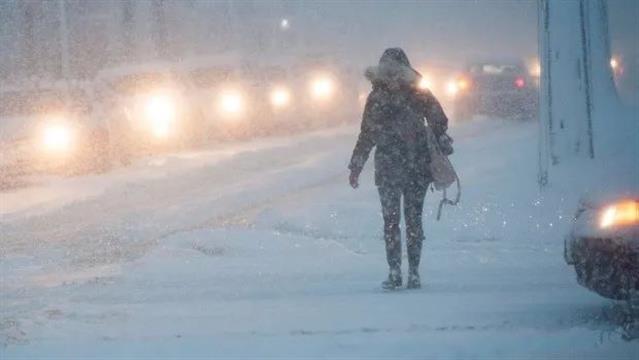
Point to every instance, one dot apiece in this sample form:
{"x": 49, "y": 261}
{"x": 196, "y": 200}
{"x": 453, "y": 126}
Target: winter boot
{"x": 413, "y": 281}
{"x": 394, "y": 280}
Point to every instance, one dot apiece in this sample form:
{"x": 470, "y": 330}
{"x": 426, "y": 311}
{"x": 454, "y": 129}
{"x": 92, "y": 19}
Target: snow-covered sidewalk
{"x": 263, "y": 250}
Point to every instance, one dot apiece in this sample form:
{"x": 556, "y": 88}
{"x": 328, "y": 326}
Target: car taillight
{"x": 520, "y": 82}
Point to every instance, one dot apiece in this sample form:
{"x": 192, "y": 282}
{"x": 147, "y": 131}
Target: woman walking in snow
{"x": 393, "y": 122}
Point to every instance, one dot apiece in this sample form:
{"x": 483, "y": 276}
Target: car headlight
{"x": 57, "y": 137}
{"x": 535, "y": 70}
{"x": 455, "y": 86}
{"x": 232, "y": 103}
{"x": 322, "y": 88}
{"x": 280, "y": 97}
{"x": 160, "y": 111}
{"x": 425, "y": 83}
{"x": 620, "y": 214}
{"x": 463, "y": 84}
{"x": 452, "y": 88}
{"x": 361, "y": 98}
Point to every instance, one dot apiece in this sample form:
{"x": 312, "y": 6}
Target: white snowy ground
{"x": 262, "y": 249}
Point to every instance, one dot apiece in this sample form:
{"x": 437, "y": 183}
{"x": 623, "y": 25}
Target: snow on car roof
{"x": 133, "y": 69}
{"x": 40, "y": 84}
{"x": 209, "y": 61}
{"x": 496, "y": 63}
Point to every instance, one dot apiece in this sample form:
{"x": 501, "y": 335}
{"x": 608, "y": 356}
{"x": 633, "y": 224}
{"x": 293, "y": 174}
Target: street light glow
{"x": 284, "y": 24}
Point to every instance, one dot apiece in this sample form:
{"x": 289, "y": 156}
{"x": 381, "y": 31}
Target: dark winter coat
{"x": 393, "y": 122}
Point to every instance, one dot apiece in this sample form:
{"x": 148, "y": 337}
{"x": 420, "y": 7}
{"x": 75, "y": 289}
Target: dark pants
{"x": 413, "y": 206}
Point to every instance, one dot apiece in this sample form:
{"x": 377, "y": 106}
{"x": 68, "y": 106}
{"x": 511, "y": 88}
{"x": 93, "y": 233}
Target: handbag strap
{"x": 434, "y": 146}
{"x": 446, "y": 201}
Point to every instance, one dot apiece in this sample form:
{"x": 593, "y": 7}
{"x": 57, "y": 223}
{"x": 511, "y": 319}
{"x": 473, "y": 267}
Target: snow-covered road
{"x": 262, "y": 249}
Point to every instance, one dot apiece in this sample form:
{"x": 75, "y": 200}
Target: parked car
{"x": 603, "y": 246}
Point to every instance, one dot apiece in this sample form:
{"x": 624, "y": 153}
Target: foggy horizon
{"x": 443, "y": 33}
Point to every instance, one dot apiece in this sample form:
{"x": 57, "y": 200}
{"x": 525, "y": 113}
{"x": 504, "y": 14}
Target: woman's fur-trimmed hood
{"x": 394, "y": 70}
{"x": 393, "y": 76}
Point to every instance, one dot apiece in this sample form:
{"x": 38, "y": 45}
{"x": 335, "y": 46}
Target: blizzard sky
{"x": 458, "y": 30}
{"x": 440, "y": 29}
{"x": 449, "y": 32}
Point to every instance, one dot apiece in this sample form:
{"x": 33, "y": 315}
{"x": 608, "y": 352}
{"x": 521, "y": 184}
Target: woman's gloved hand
{"x": 353, "y": 179}
{"x": 445, "y": 144}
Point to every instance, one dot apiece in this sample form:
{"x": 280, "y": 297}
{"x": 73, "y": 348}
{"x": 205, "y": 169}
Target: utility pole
{"x": 575, "y": 59}
{"x": 587, "y": 70}
{"x": 233, "y": 26}
{"x": 127, "y": 29}
{"x": 27, "y": 38}
{"x": 64, "y": 40}
{"x": 545, "y": 148}
{"x": 159, "y": 28}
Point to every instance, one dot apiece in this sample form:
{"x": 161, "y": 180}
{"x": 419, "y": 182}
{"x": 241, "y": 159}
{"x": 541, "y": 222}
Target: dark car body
{"x": 606, "y": 260}
{"x": 502, "y": 89}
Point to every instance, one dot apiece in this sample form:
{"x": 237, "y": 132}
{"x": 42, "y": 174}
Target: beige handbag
{"x": 442, "y": 171}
